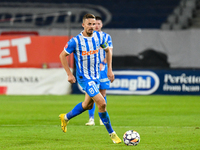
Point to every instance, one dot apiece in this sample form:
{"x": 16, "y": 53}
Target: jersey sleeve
{"x": 70, "y": 47}
{"x": 109, "y": 41}
{"x": 104, "y": 44}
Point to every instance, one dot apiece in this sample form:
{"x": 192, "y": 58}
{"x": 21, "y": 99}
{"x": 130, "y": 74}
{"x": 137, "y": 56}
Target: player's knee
{"x": 102, "y": 105}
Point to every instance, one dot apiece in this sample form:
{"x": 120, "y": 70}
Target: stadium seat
{"x": 190, "y": 4}
{"x": 183, "y": 20}
{"x": 172, "y": 19}
{"x": 166, "y": 26}
{"x": 188, "y": 12}
{"x": 178, "y": 10}
{"x": 177, "y": 27}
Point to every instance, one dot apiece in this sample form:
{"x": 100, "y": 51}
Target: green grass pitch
{"x": 163, "y": 122}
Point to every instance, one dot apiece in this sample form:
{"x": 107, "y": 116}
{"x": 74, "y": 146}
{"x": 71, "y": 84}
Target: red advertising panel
{"x": 3, "y": 89}
{"x": 32, "y": 51}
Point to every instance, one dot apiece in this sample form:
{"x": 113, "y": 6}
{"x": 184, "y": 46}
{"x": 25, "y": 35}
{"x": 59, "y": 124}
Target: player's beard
{"x": 90, "y": 33}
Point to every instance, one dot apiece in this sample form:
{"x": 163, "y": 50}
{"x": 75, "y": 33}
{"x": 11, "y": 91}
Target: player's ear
{"x": 101, "y": 24}
{"x": 83, "y": 25}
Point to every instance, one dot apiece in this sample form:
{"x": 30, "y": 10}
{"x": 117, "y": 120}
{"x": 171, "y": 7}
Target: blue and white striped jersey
{"x": 109, "y": 41}
{"x": 86, "y": 54}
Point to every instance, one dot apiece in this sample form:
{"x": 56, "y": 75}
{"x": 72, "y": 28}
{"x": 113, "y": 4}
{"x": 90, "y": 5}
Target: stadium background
{"x": 156, "y": 47}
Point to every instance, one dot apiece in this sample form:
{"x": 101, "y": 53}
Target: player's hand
{"x": 111, "y": 76}
{"x": 101, "y": 66}
{"x": 71, "y": 79}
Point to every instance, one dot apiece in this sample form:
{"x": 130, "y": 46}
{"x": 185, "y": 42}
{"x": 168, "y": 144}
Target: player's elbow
{"x": 107, "y": 49}
{"x": 62, "y": 54}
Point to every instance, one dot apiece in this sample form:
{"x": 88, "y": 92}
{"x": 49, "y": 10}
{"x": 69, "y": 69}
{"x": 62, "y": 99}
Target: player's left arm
{"x": 110, "y": 74}
{"x": 110, "y": 44}
{"x": 108, "y": 51}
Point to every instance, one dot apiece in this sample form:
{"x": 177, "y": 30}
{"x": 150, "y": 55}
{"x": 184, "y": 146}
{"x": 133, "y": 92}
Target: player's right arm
{"x": 69, "y": 48}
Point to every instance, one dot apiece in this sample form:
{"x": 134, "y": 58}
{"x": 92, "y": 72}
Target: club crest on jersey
{"x": 84, "y": 53}
{"x": 97, "y": 44}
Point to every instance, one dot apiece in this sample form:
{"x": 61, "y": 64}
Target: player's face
{"x": 89, "y": 26}
{"x": 98, "y": 25}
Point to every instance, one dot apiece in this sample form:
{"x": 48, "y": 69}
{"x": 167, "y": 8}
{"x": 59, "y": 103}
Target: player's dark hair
{"x": 98, "y": 18}
{"x": 87, "y": 16}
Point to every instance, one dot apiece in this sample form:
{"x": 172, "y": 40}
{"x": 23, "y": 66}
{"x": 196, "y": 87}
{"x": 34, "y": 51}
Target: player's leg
{"x": 92, "y": 111}
{"x": 103, "y": 93}
{"x": 104, "y": 84}
{"x": 91, "y": 116}
{"x": 92, "y": 90}
{"x": 104, "y": 116}
{"x": 78, "y": 109}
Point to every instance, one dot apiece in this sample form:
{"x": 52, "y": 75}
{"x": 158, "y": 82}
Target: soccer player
{"x": 85, "y": 47}
{"x": 104, "y": 81}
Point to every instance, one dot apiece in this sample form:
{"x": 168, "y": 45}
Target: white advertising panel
{"x": 134, "y": 82}
{"x": 30, "y": 81}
